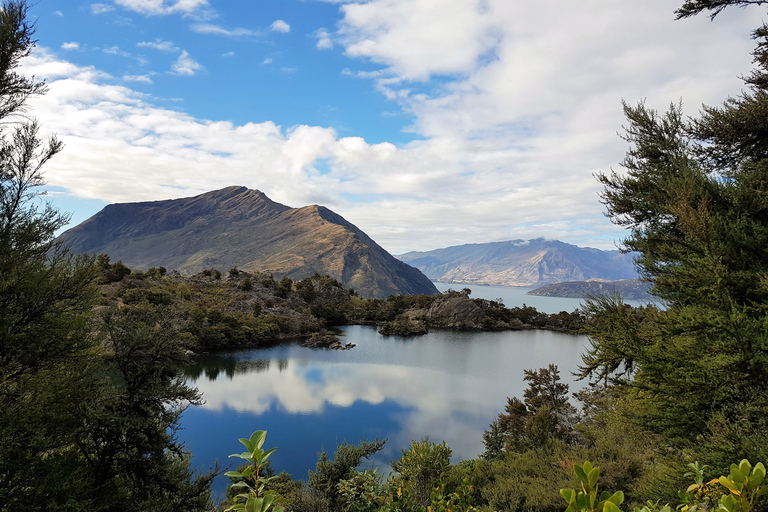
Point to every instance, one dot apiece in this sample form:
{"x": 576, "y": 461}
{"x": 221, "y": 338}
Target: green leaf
{"x": 593, "y": 477}
{"x": 265, "y": 455}
{"x": 240, "y": 484}
{"x": 580, "y": 473}
{"x": 568, "y": 494}
{"x": 609, "y": 506}
{"x": 725, "y": 482}
{"x": 247, "y": 443}
{"x": 739, "y": 478}
{"x": 268, "y": 499}
{"x": 244, "y": 455}
{"x": 234, "y": 474}
{"x": 745, "y": 467}
{"x": 257, "y": 439}
{"x": 617, "y": 498}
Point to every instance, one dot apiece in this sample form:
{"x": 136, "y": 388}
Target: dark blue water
{"x": 446, "y": 385}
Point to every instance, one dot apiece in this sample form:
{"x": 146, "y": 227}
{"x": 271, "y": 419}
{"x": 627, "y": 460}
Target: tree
{"x": 694, "y": 196}
{"x": 86, "y": 418}
{"x": 127, "y": 437}
{"x": 545, "y": 414}
{"x": 328, "y": 473}
{"x": 45, "y": 297}
{"x": 421, "y": 467}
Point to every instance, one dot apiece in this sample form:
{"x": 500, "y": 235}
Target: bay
{"x": 448, "y": 386}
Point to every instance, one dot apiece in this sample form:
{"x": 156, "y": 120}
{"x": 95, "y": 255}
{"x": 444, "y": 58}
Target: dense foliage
{"x": 88, "y": 405}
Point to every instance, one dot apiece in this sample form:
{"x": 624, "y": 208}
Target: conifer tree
{"x": 694, "y": 196}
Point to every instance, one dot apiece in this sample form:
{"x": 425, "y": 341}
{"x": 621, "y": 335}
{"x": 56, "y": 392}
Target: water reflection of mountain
{"x": 214, "y": 366}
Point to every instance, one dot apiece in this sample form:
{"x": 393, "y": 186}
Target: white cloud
{"x": 324, "y": 41}
{"x": 101, "y": 8}
{"x": 70, "y": 46}
{"x": 185, "y": 65}
{"x": 163, "y": 7}
{"x": 163, "y": 46}
{"x": 138, "y": 78}
{"x": 228, "y": 54}
{"x": 280, "y": 26}
{"x": 58, "y": 13}
{"x": 207, "y": 28}
{"x": 268, "y": 60}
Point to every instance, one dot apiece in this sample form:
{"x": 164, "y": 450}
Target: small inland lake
{"x": 446, "y": 385}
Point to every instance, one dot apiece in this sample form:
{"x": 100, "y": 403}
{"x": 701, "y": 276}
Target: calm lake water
{"x": 446, "y": 385}
{"x": 516, "y": 296}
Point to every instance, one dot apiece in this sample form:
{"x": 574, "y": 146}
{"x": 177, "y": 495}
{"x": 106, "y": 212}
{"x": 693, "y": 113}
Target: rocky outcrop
{"x": 242, "y": 228}
{"x": 455, "y": 311}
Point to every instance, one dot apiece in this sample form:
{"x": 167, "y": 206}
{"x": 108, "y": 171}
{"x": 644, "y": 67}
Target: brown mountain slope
{"x": 238, "y": 227}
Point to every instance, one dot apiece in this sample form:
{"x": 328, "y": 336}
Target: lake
{"x": 446, "y": 385}
{"x": 513, "y": 296}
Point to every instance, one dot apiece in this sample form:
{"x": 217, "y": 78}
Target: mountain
{"x": 520, "y": 263}
{"x": 632, "y": 289}
{"x": 243, "y": 228}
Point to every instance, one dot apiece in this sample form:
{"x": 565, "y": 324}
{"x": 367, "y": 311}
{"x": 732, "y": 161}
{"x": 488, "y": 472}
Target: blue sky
{"x": 427, "y": 123}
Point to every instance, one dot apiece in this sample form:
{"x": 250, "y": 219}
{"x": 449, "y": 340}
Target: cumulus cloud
{"x": 324, "y": 41}
{"x": 70, "y": 46}
{"x": 58, "y": 13}
{"x": 185, "y": 65}
{"x": 280, "y": 26}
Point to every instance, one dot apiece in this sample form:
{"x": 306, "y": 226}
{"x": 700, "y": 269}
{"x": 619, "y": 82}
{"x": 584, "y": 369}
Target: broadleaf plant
{"x": 254, "y": 499}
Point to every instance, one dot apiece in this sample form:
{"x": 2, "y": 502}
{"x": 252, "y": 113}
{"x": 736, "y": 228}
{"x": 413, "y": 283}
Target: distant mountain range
{"x": 243, "y": 228}
{"x": 521, "y": 263}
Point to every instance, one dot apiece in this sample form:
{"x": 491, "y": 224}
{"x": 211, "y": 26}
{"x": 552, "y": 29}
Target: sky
{"x": 426, "y": 123}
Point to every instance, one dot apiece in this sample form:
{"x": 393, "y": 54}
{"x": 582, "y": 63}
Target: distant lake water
{"x": 446, "y": 385}
{"x": 513, "y": 296}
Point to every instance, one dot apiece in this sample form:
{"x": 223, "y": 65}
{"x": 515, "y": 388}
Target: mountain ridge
{"x": 240, "y": 227}
{"x": 520, "y": 263}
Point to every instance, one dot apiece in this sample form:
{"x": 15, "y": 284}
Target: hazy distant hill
{"x": 238, "y": 227}
{"x": 628, "y": 289}
{"x": 520, "y": 263}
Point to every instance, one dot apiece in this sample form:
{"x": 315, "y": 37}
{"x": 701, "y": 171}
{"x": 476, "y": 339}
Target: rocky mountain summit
{"x": 520, "y": 263}
{"x": 243, "y": 228}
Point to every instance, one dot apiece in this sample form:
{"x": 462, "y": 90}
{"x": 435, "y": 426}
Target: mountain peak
{"x": 521, "y": 263}
{"x": 239, "y": 227}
